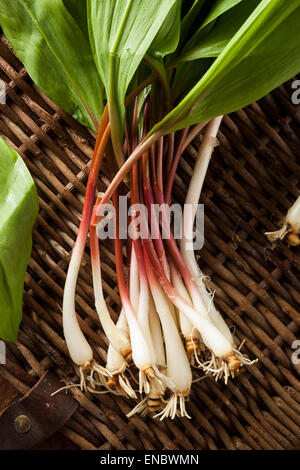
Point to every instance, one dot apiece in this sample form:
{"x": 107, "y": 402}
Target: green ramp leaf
{"x": 77, "y": 8}
{"x": 121, "y": 32}
{"x": 167, "y": 38}
{"x": 56, "y": 55}
{"x": 18, "y": 211}
{"x": 218, "y": 8}
{"x": 263, "y": 54}
{"x": 190, "y": 18}
{"x": 210, "y": 41}
{"x": 211, "y": 11}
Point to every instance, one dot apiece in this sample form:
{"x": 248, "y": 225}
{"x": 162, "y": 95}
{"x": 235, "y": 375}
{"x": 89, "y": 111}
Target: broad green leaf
{"x": 210, "y": 42}
{"x": 167, "y": 38}
{"x": 121, "y": 32}
{"x": 218, "y": 8}
{"x": 204, "y": 13}
{"x": 263, "y": 54}
{"x": 190, "y": 18}
{"x": 56, "y": 55}
{"x": 18, "y": 211}
{"x": 77, "y": 8}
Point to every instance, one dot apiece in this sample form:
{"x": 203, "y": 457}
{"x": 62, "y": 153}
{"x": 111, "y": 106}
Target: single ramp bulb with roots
{"x": 290, "y": 226}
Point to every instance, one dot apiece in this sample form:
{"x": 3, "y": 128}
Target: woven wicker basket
{"x": 252, "y": 180}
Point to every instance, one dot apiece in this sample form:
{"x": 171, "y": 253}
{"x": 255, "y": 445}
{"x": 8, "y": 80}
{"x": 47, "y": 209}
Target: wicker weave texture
{"x": 252, "y": 181}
